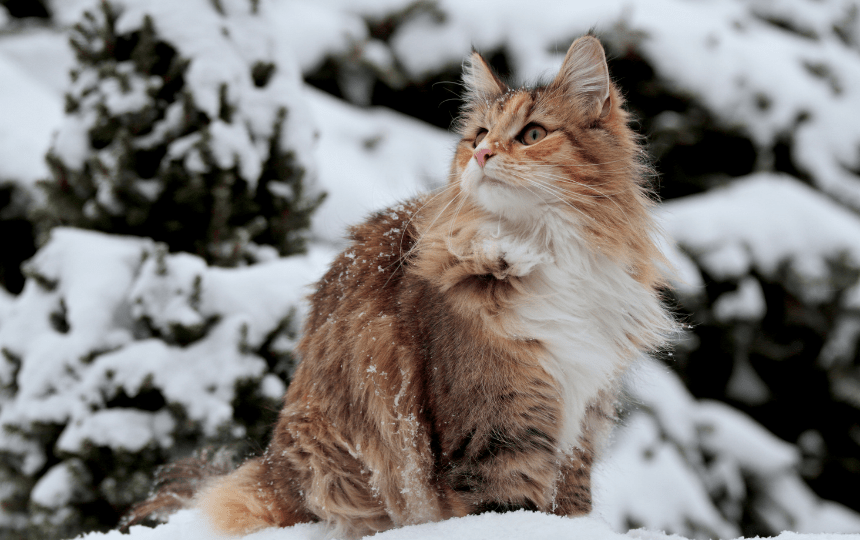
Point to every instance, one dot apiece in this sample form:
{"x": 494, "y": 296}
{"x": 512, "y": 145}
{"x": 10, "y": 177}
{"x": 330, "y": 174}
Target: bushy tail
{"x": 236, "y": 501}
{"x": 178, "y": 483}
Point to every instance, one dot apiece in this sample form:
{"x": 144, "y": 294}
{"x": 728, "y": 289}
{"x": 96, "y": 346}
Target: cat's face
{"x": 514, "y": 152}
{"x": 561, "y": 145}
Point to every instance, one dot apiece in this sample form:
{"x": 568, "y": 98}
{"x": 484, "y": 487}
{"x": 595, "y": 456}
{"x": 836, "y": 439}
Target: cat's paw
{"x": 505, "y": 257}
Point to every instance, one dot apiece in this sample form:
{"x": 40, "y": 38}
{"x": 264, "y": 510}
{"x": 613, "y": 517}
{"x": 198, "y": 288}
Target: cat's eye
{"x": 480, "y": 137}
{"x": 532, "y": 134}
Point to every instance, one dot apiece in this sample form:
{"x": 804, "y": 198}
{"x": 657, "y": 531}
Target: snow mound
{"x": 520, "y": 525}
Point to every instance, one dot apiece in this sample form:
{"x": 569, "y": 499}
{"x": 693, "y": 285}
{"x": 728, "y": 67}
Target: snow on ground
{"x": 520, "y": 525}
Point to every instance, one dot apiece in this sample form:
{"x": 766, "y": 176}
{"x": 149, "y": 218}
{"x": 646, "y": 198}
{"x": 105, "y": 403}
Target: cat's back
{"x": 356, "y": 345}
{"x": 368, "y": 273}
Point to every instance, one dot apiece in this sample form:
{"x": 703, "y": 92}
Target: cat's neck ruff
{"x": 581, "y": 305}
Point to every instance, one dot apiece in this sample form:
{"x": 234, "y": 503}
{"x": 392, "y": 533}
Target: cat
{"x": 463, "y": 354}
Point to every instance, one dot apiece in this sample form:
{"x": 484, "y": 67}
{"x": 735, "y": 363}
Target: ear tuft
{"x": 480, "y": 80}
{"x": 584, "y": 77}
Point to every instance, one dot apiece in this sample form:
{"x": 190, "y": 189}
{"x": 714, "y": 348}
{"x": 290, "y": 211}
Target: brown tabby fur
{"x": 420, "y": 396}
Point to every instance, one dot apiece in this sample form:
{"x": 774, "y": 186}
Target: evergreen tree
{"x": 119, "y": 357}
{"x": 202, "y": 141}
{"x": 140, "y": 154}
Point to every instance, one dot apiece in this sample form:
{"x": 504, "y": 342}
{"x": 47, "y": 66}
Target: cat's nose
{"x": 483, "y": 155}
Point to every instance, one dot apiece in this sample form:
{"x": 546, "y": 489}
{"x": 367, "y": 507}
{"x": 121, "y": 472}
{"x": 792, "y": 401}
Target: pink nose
{"x": 482, "y": 155}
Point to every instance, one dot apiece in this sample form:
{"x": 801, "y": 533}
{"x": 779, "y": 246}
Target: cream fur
{"x": 579, "y": 303}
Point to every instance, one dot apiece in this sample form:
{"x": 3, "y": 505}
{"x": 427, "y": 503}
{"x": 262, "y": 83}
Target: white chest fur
{"x": 586, "y": 310}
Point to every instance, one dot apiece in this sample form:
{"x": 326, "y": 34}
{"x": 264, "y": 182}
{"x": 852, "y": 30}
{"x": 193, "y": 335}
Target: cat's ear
{"x": 480, "y": 80}
{"x": 584, "y": 77}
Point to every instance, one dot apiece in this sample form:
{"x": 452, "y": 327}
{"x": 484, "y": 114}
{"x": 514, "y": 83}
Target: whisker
{"x": 450, "y": 240}
{"x": 608, "y": 197}
{"x": 573, "y": 163}
{"x": 545, "y": 188}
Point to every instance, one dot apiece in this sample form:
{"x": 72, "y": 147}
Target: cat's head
{"x": 564, "y": 145}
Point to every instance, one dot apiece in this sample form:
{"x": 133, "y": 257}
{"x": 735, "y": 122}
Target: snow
{"x": 761, "y": 223}
{"x": 132, "y": 99}
{"x": 732, "y": 433}
{"x": 68, "y": 12}
{"x": 222, "y": 52}
{"x": 102, "y": 287}
{"x": 750, "y": 72}
{"x": 25, "y": 101}
{"x": 666, "y": 493}
{"x": 78, "y": 283}
{"x": 520, "y": 525}
{"x": 34, "y": 65}
{"x": 204, "y": 387}
{"x": 353, "y": 143}
{"x": 746, "y": 303}
{"x": 674, "y": 453}
{"x": 231, "y": 147}
{"x": 315, "y": 30}
{"x": 53, "y": 489}
{"x": 44, "y": 54}
{"x": 125, "y": 429}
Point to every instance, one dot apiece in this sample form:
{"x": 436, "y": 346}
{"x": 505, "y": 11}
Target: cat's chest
{"x": 582, "y": 308}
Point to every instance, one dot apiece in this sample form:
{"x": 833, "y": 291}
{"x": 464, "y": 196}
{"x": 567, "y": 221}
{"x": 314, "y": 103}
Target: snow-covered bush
{"x": 702, "y": 469}
{"x": 119, "y": 356}
{"x": 776, "y": 326}
{"x": 184, "y": 123}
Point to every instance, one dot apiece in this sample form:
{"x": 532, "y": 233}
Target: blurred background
{"x": 173, "y": 175}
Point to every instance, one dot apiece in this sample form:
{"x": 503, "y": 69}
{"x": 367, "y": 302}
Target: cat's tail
{"x": 243, "y": 501}
{"x": 236, "y": 501}
{"x": 177, "y": 484}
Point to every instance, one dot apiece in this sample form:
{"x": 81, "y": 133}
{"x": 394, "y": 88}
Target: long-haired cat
{"x": 462, "y": 355}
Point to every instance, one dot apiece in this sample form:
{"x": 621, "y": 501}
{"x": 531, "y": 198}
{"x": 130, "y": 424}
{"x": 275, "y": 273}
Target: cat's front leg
{"x": 506, "y": 256}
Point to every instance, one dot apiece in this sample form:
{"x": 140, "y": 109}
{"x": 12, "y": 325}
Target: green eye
{"x": 532, "y": 134}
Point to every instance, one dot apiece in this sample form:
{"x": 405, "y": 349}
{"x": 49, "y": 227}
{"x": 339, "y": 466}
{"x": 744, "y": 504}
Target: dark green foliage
{"x": 17, "y": 234}
{"x": 131, "y": 182}
{"x": 801, "y": 395}
{"x": 26, "y": 8}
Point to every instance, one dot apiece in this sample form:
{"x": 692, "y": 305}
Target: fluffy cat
{"x": 462, "y": 355}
